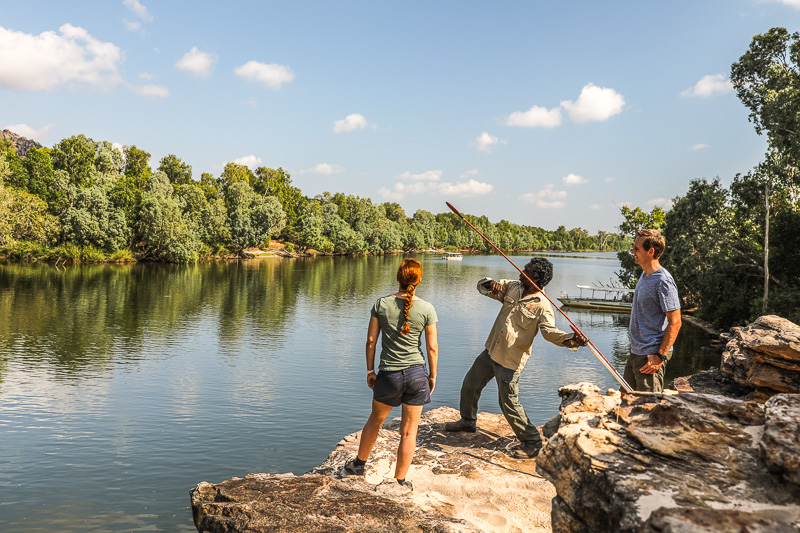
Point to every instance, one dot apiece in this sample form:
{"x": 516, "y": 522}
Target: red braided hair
{"x": 408, "y": 276}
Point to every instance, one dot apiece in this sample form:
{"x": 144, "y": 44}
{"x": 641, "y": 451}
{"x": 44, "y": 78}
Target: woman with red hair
{"x": 399, "y": 319}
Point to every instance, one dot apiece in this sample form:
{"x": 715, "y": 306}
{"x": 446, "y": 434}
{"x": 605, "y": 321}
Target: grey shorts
{"x": 408, "y": 386}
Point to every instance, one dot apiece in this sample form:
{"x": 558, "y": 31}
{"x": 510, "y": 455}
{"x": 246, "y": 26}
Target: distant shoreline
{"x": 275, "y": 249}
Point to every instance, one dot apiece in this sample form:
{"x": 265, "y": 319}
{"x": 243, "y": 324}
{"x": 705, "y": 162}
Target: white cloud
{"x": 486, "y": 142}
{"x": 196, "y": 62}
{"x": 146, "y": 76}
{"x": 701, "y": 146}
{"x": 709, "y": 85}
{"x": 252, "y": 101}
{"x": 136, "y": 7}
{"x": 535, "y": 117}
{"x": 250, "y": 161}
{"x": 609, "y": 179}
{"x": 464, "y": 189}
{"x": 595, "y": 207}
{"x": 547, "y": 198}
{"x": 390, "y": 194}
{"x": 574, "y": 179}
{"x": 24, "y": 130}
{"x": 352, "y": 122}
{"x": 151, "y": 91}
{"x": 594, "y": 104}
{"x": 430, "y": 175}
{"x": 326, "y": 169}
{"x": 666, "y": 203}
{"x": 45, "y": 61}
{"x": 271, "y": 75}
{"x": 468, "y": 173}
{"x": 133, "y": 25}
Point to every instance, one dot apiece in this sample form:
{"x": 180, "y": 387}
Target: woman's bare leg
{"x": 370, "y": 432}
{"x": 409, "y": 423}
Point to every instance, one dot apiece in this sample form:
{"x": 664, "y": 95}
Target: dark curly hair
{"x": 540, "y": 270}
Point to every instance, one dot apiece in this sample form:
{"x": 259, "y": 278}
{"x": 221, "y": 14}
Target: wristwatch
{"x": 662, "y": 356}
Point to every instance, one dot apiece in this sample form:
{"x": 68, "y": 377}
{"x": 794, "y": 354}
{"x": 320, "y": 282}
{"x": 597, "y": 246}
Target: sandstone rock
{"x": 21, "y": 144}
{"x": 711, "y": 521}
{"x": 764, "y": 355}
{"x": 781, "y": 441}
{"x": 614, "y": 465}
{"x": 462, "y": 482}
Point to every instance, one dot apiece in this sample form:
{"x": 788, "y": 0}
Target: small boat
{"x": 452, "y": 256}
{"x": 600, "y": 298}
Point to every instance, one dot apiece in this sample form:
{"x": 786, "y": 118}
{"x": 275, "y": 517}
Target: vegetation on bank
{"x": 735, "y": 251}
{"x": 83, "y": 200}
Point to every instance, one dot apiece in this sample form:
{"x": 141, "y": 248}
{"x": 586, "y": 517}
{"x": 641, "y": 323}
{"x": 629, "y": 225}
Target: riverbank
{"x": 71, "y": 254}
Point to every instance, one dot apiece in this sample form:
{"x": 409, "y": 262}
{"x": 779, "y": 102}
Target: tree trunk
{"x": 766, "y": 249}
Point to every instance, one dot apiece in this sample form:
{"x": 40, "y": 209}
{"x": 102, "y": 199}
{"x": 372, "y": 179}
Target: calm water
{"x": 121, "y": 387}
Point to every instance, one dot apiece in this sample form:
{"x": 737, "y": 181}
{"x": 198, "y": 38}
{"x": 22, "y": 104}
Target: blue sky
{"x": 540, "y": 113}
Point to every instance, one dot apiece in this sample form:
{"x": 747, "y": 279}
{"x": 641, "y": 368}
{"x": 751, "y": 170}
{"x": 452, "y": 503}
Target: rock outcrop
{"x": 695, "y": 458}
{"x": 21, "y": 144}
{"x": 463, "y": 482}
{"x": 721, "y": 454}
{"x": 764, "y": 355}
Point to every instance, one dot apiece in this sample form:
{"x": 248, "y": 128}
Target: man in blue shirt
{"x": 655, "y": 316}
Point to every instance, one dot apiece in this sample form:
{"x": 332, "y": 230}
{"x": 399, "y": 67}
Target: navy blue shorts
{"x": 409, "y": 386}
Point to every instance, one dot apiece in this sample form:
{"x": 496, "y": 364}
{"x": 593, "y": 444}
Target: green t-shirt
{"x": 400, "y": 351}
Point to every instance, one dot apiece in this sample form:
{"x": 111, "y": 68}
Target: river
{"x": 123, "y": 386}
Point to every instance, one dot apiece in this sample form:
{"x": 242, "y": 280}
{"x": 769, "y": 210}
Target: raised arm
{"x": 432, "y": 345}
{"x": 493, "y": 289}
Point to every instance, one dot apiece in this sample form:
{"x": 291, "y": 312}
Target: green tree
{"x": 207, "y": 218}
{"x": 40, "y": 172}
{"x": 108, "y": 159}
{"x": 137, "y": 164}
{"x": 278, "y": 183}
{"x": 162, "y": 232}
{"x": 92, "y": 220}
{"x": 178, "y": 172}
{"x": 339, "y": 232}
{"x": 76, "y": 157}
{"x": 23, "y": 216}
{"x": 309, "y": 229}
{"x": 234, "y": 173}
{"x": 713, "y": 254}
{"x": 252, "y": 218}
{"x": 767, "y": 81}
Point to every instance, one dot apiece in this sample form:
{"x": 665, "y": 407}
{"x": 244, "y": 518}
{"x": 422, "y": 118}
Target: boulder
{"x": 764, "y": 355}
{"x": 465, "y": 482}
{"x": 695, "y": 458}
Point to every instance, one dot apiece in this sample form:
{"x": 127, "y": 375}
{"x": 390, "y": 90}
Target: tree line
{"x": 735, "y": 251}
{"x": 86, "y": 200}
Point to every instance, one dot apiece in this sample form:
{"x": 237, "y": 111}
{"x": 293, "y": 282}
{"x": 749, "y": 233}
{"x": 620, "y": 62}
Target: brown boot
{"x": 460, "y": 425}
{"x": 526, "y": 450}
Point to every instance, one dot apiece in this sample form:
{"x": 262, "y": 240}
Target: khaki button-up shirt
{"x": 519, "y": 320}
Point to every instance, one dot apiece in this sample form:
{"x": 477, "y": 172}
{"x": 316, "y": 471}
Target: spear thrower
{"x": 589, "y": 344}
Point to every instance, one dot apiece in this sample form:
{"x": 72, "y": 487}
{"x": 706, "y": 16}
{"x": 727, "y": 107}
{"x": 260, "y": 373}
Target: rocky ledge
{"x": 463, "y": 482}
{"x": 718, "y": 455}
